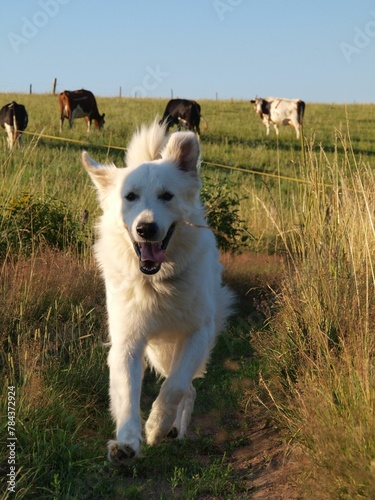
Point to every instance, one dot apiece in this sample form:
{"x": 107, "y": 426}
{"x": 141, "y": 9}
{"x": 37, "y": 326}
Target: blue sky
{"x": 320, "y": 50}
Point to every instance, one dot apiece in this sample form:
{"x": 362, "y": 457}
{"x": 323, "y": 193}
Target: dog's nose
{"x": 147, "y": 230}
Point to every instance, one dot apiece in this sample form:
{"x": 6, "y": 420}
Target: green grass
{"x": 235, "y": 138}
{"x": 310, "y": 322}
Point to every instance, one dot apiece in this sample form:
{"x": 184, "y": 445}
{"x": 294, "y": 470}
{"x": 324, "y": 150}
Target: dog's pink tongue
{"x": 152, "y": 252}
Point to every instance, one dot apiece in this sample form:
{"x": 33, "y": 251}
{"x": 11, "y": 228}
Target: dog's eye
{"x": 167, "y": 196}
{"x": 131, "y": 196}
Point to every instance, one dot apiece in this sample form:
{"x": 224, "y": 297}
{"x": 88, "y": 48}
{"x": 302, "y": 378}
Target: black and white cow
{"x": 279, "y": 111}
{"x": 183, "y": 113}
{"x": 14, "y": 119}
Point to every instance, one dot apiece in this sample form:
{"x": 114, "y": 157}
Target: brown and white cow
{"x": 79, "y": 104}
{"x": 279, "y": 111}
{"x": 14, "y": 119}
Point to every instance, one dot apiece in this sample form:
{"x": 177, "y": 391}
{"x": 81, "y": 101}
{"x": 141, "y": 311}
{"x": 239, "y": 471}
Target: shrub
{"x": 222, "y": 203}
{"x": 30, "y": 221}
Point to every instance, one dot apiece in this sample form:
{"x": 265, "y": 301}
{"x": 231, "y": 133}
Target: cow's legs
{"x": 266, "y": 122}
{"x": 18, "y": 138}
{"x": 10, "y": 135}
{"x": 276, "y": 128}
{"x": 297, "y": 126}
{"x": 88, "y": 121}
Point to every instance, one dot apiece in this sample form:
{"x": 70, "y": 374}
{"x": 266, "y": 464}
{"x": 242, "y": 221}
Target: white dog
{"x": 165, "y": 299}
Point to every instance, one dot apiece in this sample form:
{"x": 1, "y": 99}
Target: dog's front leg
{"x": 126, "y": 372}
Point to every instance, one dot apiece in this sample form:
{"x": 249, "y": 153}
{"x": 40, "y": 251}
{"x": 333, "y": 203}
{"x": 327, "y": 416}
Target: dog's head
{"x": 154, "y": 196}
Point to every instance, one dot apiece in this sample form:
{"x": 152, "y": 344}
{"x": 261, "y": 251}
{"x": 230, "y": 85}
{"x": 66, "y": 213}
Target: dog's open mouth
{"x": 152, "y": 253}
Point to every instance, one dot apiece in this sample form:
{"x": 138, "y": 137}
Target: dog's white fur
{"x": 172, "y": 317}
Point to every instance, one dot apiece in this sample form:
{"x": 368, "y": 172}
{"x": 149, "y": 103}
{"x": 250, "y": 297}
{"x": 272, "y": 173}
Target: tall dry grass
{"x": 319, "y": 350}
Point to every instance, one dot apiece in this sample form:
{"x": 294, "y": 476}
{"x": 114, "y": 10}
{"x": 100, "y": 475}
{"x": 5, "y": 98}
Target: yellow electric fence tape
{"x": 211, "y": 164}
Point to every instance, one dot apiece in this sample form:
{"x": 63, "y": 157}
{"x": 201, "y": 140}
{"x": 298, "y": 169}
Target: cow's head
{"x": 261, "y": 106}
{"x": 100, "y": 123}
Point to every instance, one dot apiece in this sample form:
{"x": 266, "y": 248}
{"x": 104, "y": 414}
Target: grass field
{"x": 302, "y": 340}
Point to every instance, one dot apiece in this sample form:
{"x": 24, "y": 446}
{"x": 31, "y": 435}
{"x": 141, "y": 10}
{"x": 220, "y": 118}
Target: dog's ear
{"x": 183, "y": 149}
{"x": 101, "y": 175}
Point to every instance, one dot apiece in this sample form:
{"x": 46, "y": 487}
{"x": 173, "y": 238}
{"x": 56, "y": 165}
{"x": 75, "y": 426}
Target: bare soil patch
{"x": 274, "y": 463}
{"x": 269, "y": 461}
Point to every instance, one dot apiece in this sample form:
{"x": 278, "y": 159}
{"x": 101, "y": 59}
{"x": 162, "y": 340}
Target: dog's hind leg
{"x": 176, "y": 394}
{"x": 184, "y": 411}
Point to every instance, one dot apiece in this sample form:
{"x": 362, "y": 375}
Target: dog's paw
{"x": 121, "y": 453}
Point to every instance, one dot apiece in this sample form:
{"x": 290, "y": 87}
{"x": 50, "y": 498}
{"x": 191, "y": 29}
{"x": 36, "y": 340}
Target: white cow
{"x": 280, "y": 111}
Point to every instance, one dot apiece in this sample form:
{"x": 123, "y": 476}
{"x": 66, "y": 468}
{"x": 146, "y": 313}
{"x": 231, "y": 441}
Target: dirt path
{"x": 269, "y": 462}
{"x": 273, "y": 464}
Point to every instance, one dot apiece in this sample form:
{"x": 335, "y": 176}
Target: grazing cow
{"x": 14, "y": 119}
{"x": 280, "y": 112}
{"x": 79, "y": 104}
{"x": 183, "y": 113}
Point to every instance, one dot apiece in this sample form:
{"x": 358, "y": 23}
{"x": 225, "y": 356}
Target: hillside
{"x": 290, "y": 386}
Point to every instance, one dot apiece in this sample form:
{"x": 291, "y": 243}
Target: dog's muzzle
{"x": 151, "y": 253}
